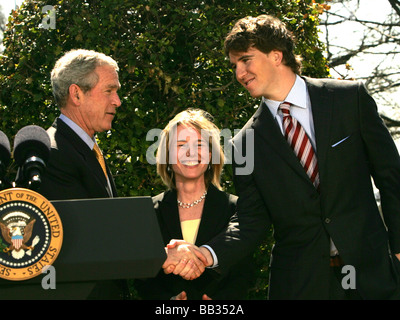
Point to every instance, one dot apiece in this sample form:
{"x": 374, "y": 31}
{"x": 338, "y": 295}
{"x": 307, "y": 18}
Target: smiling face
{"x": 257, "y": 71}
{"x": 98, "y": 106}
{"x": 191, "y": 154}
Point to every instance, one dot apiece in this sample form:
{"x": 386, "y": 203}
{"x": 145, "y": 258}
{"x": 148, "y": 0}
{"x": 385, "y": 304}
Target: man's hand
{"x": 181, "y": 296}
{"x": 184, "y": 259}
{"x": 201, "y": 250}
{"x": 397, "y": 256}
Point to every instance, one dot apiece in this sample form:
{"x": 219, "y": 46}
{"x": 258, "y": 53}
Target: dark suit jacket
{"x": 73, "y": 172}
{"x": 352, "y": 145}
{"x": 219, "y": 207}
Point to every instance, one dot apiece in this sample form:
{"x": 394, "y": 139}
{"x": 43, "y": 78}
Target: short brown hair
{"x": 265, "y": 33}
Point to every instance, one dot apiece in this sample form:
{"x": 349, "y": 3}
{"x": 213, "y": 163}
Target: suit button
{"x": 327, "y": 220}
{"x": 315, "y": 196}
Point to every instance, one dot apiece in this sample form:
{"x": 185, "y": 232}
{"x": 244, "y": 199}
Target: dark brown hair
{"x": 265, "y": 33}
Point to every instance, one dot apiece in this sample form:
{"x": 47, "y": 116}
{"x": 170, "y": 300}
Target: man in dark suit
{"x": 85, "y": 85}
{"x": 331, "y": 242}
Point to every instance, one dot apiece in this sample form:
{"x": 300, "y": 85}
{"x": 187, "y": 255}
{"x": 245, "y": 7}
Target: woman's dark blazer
{"x": 219, "y": 207}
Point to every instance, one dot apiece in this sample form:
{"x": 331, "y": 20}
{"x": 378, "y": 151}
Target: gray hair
{"x": 77, "y": 67}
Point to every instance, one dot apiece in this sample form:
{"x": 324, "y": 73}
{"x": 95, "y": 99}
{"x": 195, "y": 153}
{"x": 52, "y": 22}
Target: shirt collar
{"x": 297, "y": 96}
{"x": 90, "y": 141}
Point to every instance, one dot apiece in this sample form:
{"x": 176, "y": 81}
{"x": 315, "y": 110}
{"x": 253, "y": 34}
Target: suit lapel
{"x": 170, "y": 215}
{"x": 83, "y": 149}
{"x": 213, "y": 209}
{"x": 265, "y": 125}
{"x": 112, "y": 182}
{"x": 321, "y": 104}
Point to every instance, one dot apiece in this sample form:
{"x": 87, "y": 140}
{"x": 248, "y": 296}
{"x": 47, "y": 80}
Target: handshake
{"x": 186, "y": 260}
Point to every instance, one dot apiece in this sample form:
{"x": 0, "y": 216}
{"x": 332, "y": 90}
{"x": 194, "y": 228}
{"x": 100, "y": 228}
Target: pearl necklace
{"x": 189, "y": 205}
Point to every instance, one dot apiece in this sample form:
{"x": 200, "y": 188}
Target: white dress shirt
{"x": 301, "y": 109}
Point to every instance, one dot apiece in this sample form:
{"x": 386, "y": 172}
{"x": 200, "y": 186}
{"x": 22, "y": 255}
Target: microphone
{"x": 5, "y": 157}
{"x": 31, "y": 153}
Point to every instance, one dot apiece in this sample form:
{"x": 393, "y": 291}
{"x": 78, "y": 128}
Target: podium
{"x": 104, "y": 240}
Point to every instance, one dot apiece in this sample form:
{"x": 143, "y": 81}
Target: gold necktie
{"x": 100, "y": 158}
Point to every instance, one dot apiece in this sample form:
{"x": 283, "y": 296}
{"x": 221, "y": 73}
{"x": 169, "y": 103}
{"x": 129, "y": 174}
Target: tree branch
{"x": 395, "y": 5}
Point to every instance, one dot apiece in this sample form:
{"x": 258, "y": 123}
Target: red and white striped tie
{"x": 300, "y": 143}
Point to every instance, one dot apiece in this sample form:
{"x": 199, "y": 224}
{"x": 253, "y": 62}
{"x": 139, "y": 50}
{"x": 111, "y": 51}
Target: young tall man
{"x": 317, "y": 143}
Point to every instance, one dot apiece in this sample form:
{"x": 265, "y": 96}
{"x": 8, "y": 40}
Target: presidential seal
{"x": 31, "y": 234}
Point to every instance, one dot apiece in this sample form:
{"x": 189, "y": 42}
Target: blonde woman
{"x": 194, "y": 208}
